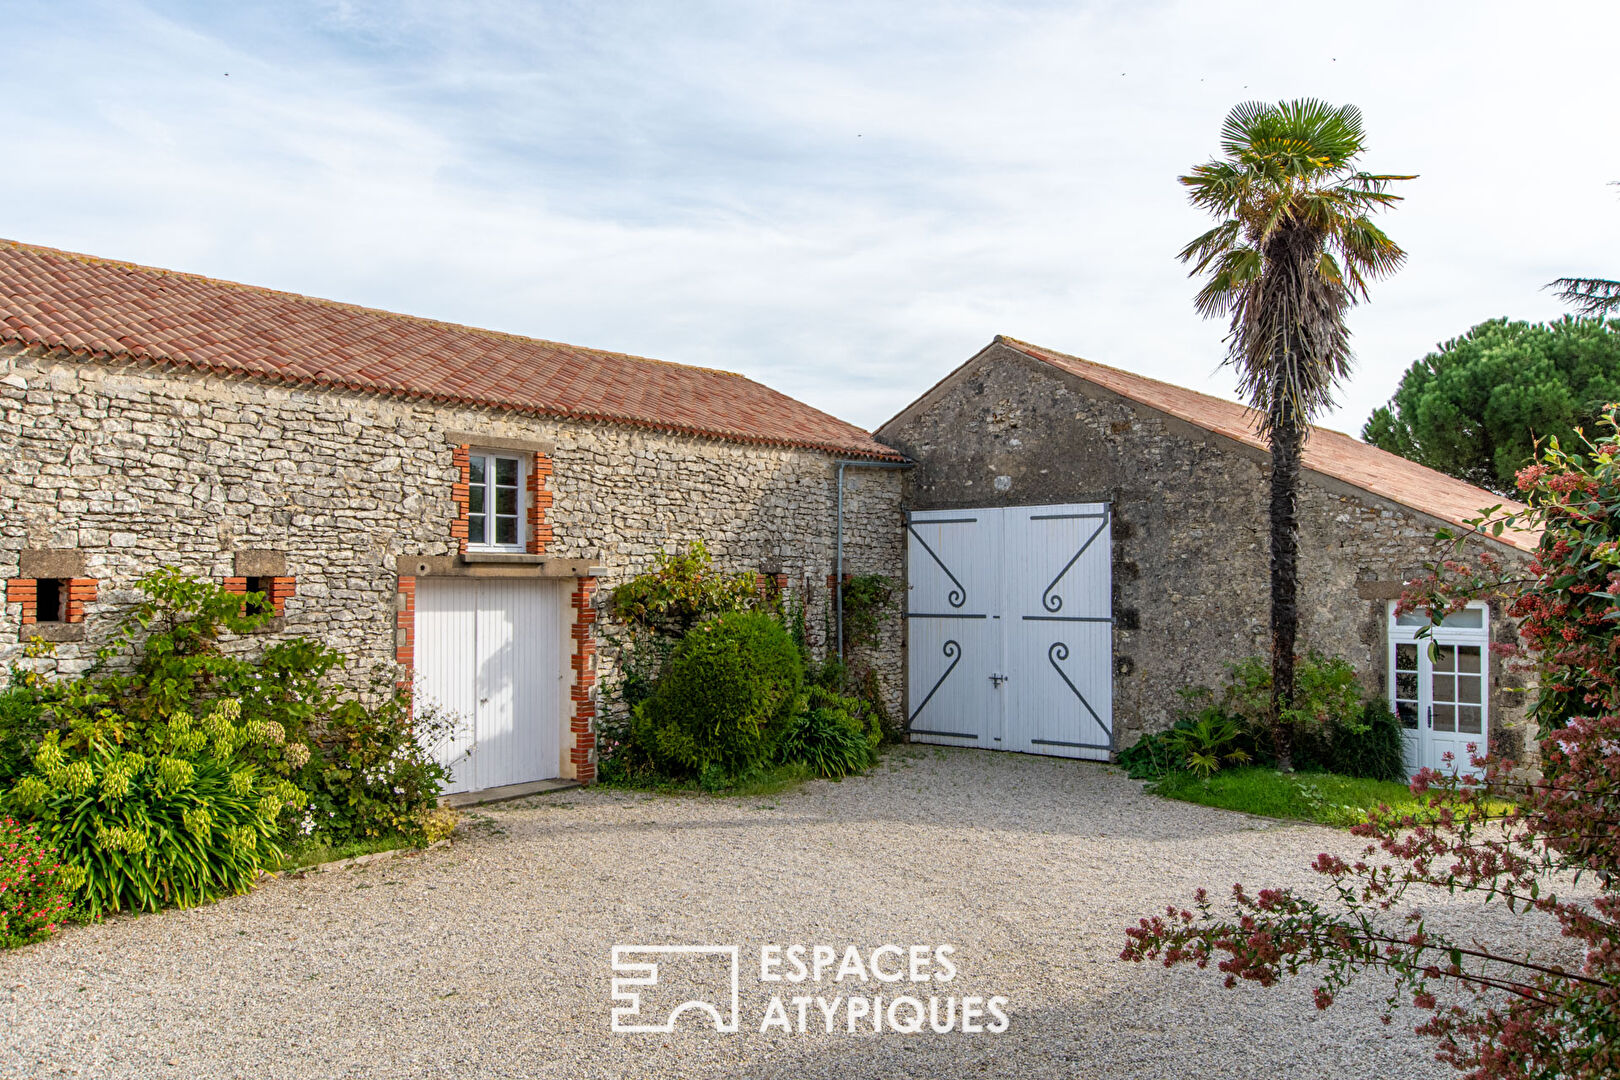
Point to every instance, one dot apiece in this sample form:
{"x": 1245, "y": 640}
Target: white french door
{"x": 1439, "y": 687}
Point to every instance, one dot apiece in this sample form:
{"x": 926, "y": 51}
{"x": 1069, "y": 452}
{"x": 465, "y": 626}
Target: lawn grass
{"x": 314, "y": 853}
{"x": 1325, "y": 798}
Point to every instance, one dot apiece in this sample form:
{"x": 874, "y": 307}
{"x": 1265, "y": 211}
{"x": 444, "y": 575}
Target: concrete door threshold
{"x": 504, "y": 792}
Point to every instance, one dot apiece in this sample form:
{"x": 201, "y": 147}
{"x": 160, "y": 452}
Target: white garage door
{"x": 489, "y": 652}
{"x": 1010, "y": 642}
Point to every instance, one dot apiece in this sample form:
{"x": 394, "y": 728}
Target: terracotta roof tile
{"x": 115, "y": 310}
{"x": 1331, "y": 453}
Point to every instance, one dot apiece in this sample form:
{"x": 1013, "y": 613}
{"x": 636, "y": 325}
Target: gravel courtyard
{"x": 490, "y": 958}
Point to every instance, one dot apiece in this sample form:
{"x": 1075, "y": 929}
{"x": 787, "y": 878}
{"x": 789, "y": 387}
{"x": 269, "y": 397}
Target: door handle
{"x": 998, "y": 679}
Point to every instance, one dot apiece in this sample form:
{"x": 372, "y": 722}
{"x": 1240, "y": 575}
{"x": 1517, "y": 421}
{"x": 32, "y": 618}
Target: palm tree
{"x": 1294, "y": 250}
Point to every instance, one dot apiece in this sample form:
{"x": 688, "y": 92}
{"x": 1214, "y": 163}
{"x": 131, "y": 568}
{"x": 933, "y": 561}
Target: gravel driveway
{"x": 491, "y": 957}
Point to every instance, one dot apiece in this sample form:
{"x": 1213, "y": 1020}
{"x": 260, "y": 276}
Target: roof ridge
{"x": 420, "y": 320}
{"x": 1341, "y": 456}
{"x": 117, "y": 310}
{"x": 1245, "y": 406}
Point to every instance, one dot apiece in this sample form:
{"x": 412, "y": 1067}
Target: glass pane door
{"x": 1438, "y": 687}
{"x": 1457, "y": 705}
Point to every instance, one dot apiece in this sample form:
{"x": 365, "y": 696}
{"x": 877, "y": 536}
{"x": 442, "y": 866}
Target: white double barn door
{"x": 1010, "y": 629}
{"x": 489, "y": 654}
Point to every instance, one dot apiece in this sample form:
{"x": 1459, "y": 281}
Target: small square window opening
{"x": 260, "y": 604}
{"x": 50, "y": 600}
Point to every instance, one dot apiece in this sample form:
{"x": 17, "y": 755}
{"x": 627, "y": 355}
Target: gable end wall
{"x": 1190, "y": 560}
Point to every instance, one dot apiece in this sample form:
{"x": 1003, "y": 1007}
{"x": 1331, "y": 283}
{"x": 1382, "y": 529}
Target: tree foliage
{"x": 1293, "y": 249}
{"x": 1589, "y": 295}
{"x": 1476, "y": 407}
{"x": 1496, "y": 1009}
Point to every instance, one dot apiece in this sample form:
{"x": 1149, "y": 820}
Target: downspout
{"x": 838, "y": 558}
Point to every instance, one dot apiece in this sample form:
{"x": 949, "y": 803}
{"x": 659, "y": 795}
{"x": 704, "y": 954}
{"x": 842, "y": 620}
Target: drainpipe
{"x": 838, "y": 560}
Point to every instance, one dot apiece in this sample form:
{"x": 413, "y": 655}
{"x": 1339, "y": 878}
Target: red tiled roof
{"x": 1331, "y": 453}
{"x": 116, "y": 310}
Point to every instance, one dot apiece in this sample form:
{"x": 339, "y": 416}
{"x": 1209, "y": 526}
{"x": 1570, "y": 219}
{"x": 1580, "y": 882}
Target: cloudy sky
{"x": 844, "y": 200}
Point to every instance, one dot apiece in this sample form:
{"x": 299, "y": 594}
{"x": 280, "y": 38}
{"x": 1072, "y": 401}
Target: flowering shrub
{"x": 681, "y": 590}
{"x": 372, "y": 772}
{"x": 363, "y": 764}
{"x": 34, "y": 887}
{"x": 1496, "y": 1010}
{"x": 153, "y": 806}
{"x": 183, "y": 820}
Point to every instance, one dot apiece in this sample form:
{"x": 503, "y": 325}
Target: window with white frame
{"x": 495, "y": 494}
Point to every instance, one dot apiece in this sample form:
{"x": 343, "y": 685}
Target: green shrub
{"x": 830, "y": 741}
{"x": 157, "y": 808}
{"x": 834, "y": 734}
{"x": 1202, "y": 741}
{"x": 34, "y": 886}
{"x": 23, "y": 724}
{"x": 358, "y": 754}
{"x": 1327, "y": 695}
{"x": 183, "y": 820}
{"x": 1369, "y": 750}
{"x": 1333, "y": 729}
{"x": 725, "y": 699}
{"x": 1152, "y": 755}
{"x": 1208, "y": 742}
{"x": 681, "y": 590}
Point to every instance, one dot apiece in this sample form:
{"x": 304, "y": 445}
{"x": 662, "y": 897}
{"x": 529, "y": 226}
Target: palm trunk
{"x": 1287, "y": 438}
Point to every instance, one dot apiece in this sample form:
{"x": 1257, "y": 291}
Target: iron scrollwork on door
{"x": 958, "y": 595}
{"x": 1050, "y": 600}
{"x": 953, "y": 652}
{"x": 1055, "y": 655}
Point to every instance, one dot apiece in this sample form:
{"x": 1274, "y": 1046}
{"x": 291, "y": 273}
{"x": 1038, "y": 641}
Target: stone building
{"x": 449, "y": 499}
{"x": 1176, "y": 480}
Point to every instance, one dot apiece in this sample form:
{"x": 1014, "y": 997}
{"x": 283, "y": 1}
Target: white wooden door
{"x": 446, "y": 652}
{"x": 1440, "y": 688}
{"x": 1059, "y": 628}
{"x": 1010, "y": 632}
{"x": 954, "y": 642}
{"x": 489, "y": 652}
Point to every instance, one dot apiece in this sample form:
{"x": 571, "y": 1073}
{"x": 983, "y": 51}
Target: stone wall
{"x": 1190, "y": 561}
{"x": 133, "y": 467}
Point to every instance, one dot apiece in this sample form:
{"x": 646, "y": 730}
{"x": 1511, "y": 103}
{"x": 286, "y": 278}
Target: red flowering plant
{"x": 34, "y": 886}
{"x": 1546, "y": 847}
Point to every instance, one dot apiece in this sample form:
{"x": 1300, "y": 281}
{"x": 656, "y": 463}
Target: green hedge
{"x": 725, "y": 698}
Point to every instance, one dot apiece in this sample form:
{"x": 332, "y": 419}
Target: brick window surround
{"x": 76, "y": 593}
{"x": 537, "y": 497}
{"x": 277, "y": 590}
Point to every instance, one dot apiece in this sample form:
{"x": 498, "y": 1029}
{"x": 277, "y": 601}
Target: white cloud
{"x": 844, "y": 200}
